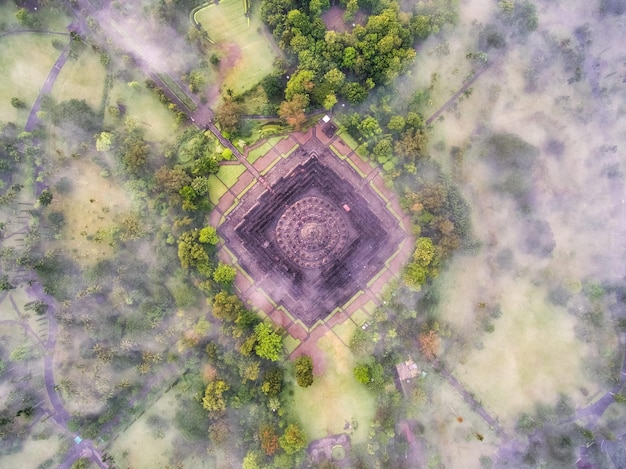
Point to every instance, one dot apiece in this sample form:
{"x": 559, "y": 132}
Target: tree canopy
{"x": 269, "y": 344}
{"x": 304, "y": 371}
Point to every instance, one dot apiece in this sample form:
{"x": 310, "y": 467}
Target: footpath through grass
{"x": 81, "y": 78}
{"x": 25, "y": 62}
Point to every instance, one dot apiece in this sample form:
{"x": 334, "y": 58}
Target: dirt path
{"x": 458, "y": 94}
{"x": 467, "y": 396}
{"x": 38, "y": 31}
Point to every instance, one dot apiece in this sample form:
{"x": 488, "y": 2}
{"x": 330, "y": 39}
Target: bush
{"x": 304, "y": 371}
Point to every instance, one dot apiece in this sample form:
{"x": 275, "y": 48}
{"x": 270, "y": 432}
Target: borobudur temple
{"x": 312, "y": 234}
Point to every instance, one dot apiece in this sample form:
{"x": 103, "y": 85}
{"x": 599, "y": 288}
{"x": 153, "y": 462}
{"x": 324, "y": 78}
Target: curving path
{"x": 33, "y": 120}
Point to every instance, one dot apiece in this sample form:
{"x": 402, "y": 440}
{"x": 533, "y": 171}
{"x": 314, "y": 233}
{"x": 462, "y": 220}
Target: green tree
{"x": 335, "y": 78}
{"x": 27, "y": 19}
{"x": 224, "y": 274}
{"x": 304, "y": 371}
{"x": 362, "y": 373}
{"x": 104, "y": 141}
{"x": 369, "y": 127}
{"x": 251, "y": 461}
{"x": 300, "y": 82}
{"x": 134, "y": 150}
{"x": 5, "y": 285}
{"x": 424, "y": 251}
{"x": 45, "y": 198}
{"x": 213, "y": 399}
{"x": 226, "y": 307}
{"x": 396, "y": 124}
{"x": 172, "y": 180}
{"x": 354, "y": 92}
{"x": 293, "y": 440}
{"x": 415, "y": 275}
{"x": 208, "y": 235}
{"x": 272, "y": 381}
{"x": 17, "y": 103}
{"x": 269, "y": 343}
{"x": 191, "y": 252}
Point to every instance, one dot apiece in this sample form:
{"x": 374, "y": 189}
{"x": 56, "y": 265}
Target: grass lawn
{"x": 335, "y": 397}
{"x": 90, "y": 209}
{"x": 347, "y": 138}
{"x": 145, "y": 107}
{"x": 223, "y": 21}
{"x": 532, "y": 356}
{"x": 216, "y": 189}
{"x": 25, "y": 61}
{"x": 82, "y": 78}
{"x": 229, "y": 174}
{"x": 250, "y": 54}
{"x": 259, "y": 152}
{"x": 345, "y": 330}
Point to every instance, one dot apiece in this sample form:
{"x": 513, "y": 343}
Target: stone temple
{"x": 313, "y": 234}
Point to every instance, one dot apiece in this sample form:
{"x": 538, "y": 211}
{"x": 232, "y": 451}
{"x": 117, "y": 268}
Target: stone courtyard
{"x": 313, "y": 233}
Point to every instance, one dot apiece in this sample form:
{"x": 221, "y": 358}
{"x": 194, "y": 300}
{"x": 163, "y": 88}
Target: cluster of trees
{"x": 441, "y": 222}
{"x": 396, "y": 141}
{"x": 393, "y": 334}
{"x": 329, "y": 65}
{"x": 246, "y": 390}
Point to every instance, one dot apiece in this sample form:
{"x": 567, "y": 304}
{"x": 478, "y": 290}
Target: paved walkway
{"x": 33, "y": 120}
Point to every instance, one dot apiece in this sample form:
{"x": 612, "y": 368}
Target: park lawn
{"x": 532, "y": 356}
{"x": 335, "y": 397}
{"x": 143, "y": 106}
{"x": 250, "y": 56}
{"x": 224, "y": 20}
{"x": 455, "y": 434}
{"x": 216, "y": 189}
{"x": 229, "y": 174}
{"x": 37, "y": 450}
{"x": 90, "y": 210}
{"x": 82, "y": 78}
{"x": 25, "y": 61}
{"x": 143, "y": 445}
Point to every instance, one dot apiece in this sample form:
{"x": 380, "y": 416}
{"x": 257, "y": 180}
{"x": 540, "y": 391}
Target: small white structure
{"x": 326, "y": 119}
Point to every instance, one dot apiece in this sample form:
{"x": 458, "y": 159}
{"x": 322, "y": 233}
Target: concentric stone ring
{"x": 312, "y": 232}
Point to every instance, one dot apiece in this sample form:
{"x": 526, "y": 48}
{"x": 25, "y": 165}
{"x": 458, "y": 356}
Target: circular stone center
{"x": 311, "y": 232}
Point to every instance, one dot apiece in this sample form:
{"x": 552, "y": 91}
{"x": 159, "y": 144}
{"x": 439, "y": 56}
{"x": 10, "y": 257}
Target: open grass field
{"x": 82, "y": 78}
{"x": 25, "y": 61}
{"x": 335, "y": 397}
{"x": 532, "y": 355}
{"x": 147, "y": 445}
{"x": 145, "y": 107}
{"x": 90, "y": 211}
{"x": 454, "y": 425}
{"x": 248, "y": 51}
{"x": 224, "y": 20}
